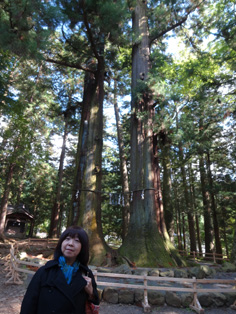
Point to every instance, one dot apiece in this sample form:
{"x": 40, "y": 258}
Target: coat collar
{"x": 54, "y": 262}
{"x": 77, "y": 284}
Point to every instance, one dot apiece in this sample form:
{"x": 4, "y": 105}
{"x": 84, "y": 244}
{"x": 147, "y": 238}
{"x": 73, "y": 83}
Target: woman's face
{"x": 71, "y": 248}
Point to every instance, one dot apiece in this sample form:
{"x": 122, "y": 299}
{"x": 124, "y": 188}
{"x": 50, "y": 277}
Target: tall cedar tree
{"x": 144, "y": 244}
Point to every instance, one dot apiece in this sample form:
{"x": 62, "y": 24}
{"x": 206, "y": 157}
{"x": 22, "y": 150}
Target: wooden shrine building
{"x": 17, "y": 221}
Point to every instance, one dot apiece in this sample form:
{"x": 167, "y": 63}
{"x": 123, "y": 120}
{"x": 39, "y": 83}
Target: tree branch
{"x": 173, "y": 26}
{"x": 90, "y": 35}
{"x": 68, "y": 64}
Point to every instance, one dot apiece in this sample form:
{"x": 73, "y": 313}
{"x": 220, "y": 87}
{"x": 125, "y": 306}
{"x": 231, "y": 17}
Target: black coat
{"x": 48, "y": 291}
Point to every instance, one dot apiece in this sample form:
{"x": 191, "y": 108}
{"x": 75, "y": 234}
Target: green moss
{"x": 149, "y": 250}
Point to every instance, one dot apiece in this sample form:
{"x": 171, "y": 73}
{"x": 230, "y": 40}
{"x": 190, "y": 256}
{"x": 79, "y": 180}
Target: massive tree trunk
{"x": 54, "y": 230}
{"x": 123, "y": 169}
{"x": 86, "y": 209}
{"x": 143, "y": 245}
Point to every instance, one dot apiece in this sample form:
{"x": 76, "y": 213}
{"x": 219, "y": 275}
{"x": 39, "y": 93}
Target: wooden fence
{"x": 13, "y": 266}
{"x": 46, "y": 242}
{"x": 207, "y": 256}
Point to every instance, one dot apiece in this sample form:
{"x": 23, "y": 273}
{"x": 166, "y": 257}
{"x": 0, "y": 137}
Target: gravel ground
{"x": 107, "y": 308}
{"x": 12, "y": 306}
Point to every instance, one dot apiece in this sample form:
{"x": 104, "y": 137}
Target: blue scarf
{"x": 68, "y": 270}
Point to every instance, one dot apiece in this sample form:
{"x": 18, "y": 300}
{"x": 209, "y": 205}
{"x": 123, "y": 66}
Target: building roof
{"x": 18, "y": 212}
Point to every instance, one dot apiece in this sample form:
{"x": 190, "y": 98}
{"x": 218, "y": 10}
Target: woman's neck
{"x": 70, "y": 261}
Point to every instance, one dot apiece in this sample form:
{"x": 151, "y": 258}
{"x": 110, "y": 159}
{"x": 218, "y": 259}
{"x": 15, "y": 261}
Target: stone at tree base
{"x": 205, "y": 299}
{"x": 173, "y": 299}
{"x": 126, "y": 296}
{"x": 110, "y": 295}
{"x": 138, "y": 296}
{"x": 186, "y": 299}
{"x": 154, "y": 272}
{"x": 180, "y": 273}
{"x": 166, "y": 273}
{"x": 219, "y": 299}
{"x": 156, "y": 298}
{"x": 140, "y": 271}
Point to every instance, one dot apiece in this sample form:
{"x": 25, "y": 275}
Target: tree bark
{"x": 86, "y": 209}
{"x": 143, "y": 245}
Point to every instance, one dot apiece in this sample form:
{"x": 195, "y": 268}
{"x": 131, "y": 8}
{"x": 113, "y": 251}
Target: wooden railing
{"x": 47, "y": 242}
{"x": 207, "y": 256}
{"x": 145, "y": 283}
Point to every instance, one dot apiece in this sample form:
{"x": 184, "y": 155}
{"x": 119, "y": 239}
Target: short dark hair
{"x": 74, "y": 231}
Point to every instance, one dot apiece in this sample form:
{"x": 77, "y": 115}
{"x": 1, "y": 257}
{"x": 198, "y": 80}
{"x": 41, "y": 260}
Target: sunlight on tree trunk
{"x": 143, "y": 245}
{"x": 87, "y": 187}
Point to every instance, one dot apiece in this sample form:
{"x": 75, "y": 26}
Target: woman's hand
{"x": 89, "y": 287}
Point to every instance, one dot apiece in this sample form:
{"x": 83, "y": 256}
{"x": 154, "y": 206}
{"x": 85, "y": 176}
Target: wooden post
{"x": 233, "y": 306}
{"x": 95, "y": 275}
{"x": 194, "y": 256}
{"x": 195, "y": 305}
{"x": 146, "y": 306}
{"x": 14, "y": 275}
{"x": 8, "y": 266}
{"x": 214, "y": 257}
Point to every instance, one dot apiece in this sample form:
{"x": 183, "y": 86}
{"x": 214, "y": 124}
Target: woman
{"x": 64, "y": 284}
